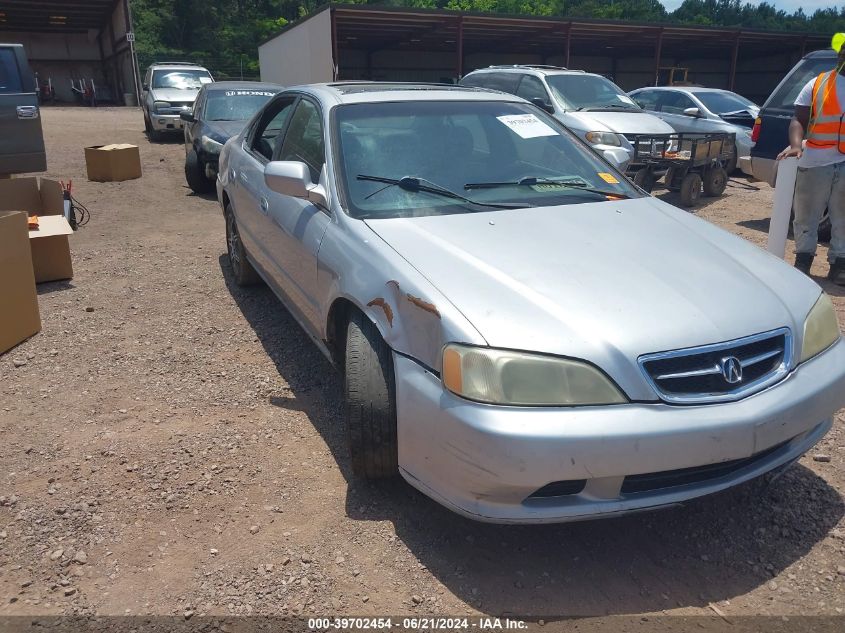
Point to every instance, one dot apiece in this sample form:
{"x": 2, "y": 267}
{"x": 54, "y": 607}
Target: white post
{"x": 782, "y": 208}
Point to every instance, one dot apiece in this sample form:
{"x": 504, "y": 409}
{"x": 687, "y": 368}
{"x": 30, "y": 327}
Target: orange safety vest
{"x": 827, "y": 118}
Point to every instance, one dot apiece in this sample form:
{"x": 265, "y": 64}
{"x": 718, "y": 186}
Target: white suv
{"x": 593, "y": 107}
{"x": 169, "y": 89}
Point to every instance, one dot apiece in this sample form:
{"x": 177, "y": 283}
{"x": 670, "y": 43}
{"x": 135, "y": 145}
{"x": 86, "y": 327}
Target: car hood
{"x": 619, "y": 122}
{"x": 223, "y": 130}
{"x": 175, "y": 94}
{"x": 604, "y": 281}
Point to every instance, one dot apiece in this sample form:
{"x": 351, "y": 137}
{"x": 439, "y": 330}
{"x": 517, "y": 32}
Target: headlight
{"x": 160, "y": 105}
{"x": 210, "y": 145}
{"x": 518, "y": 378}
{"x": 821, "y": 328}
{"x": 603, "y": 138}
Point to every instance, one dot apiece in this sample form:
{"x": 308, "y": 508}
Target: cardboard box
{"x": 19, "y": 316}
{"x": 113, "y": 163}
{"x": 50, "y": 249}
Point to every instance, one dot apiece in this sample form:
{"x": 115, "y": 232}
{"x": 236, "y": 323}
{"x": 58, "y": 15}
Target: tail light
{"x": 755, "y": 131}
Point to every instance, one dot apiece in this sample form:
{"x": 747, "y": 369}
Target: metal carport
{"x": 69, "y": 40}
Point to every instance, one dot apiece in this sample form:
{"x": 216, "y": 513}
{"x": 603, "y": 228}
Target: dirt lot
{"x": 172, "y": 444}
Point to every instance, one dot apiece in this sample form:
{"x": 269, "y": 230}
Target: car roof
{"x": 178, "y": 65}
{"x": 684, "y": 89}
{"x": 381, "y": 92}
{"x": 242, "y": 85}
{"x": 537, "y": 69}
{"x": 827, "y": 52}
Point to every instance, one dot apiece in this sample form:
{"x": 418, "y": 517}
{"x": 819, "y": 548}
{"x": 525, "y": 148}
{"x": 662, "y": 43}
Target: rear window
{"x": 503, "y": 82}
{"x": 783, "y": 98}
{"x": 10, "y": 76}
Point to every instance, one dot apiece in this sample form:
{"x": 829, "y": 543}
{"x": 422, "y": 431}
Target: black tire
{"x": 195, "y": 174}
{"x": 715, "y": 181}
{"x": 645, "y": 179}
{"x": 242, "y": 270}
{"x": 690, "y": 190}
{"x": 370, "y": 398}
{"x": 152, "y": 135}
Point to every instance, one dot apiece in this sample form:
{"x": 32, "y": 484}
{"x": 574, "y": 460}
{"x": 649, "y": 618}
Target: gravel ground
{"x": 173, "y": 445}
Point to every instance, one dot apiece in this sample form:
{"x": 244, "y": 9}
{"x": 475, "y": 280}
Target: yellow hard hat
{"x": 838, "y": 41}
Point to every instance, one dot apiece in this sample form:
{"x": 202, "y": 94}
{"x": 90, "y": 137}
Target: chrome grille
{"x": 176, "y": 108}
{"x": 720, "y": 372}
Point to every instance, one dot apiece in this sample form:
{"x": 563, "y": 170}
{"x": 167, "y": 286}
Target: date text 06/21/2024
{"x": 414, "y": 623}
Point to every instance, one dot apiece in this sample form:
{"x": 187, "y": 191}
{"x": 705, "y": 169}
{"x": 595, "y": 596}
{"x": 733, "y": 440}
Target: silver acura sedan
{"x": 524, "y": 335}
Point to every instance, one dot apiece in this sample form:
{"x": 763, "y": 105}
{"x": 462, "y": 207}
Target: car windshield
{"x": 421, "y": 158}
{"x": 589, "y": 92}
{"x": 724, "y": 102}
{"x": 234, "y": 105}
{"x": 181, "y": 79}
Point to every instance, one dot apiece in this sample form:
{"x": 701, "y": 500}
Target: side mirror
{"x": 187, "y": 116}
{"x": 543, "y": 105}
{"x": 293, "y": 178}
{"x": 695, "y": 112}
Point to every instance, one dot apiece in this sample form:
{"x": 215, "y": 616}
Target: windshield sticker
{"x": 608, "y": 178}
{"x": 248, "y": 93}
{"x": 625, "y": 99}
{"x": 206, "y": 80}
{"x": 527, "y": 125}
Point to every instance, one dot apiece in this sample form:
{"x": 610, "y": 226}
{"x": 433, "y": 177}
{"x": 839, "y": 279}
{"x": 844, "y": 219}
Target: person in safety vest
{"x": 817, "y": 139}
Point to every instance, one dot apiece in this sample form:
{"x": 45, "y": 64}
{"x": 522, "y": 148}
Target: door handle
{"x": 27, "y": 112}
{"x": 265, "y": 206}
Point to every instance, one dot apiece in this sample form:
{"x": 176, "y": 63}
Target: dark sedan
{"x": 220, "y": 112}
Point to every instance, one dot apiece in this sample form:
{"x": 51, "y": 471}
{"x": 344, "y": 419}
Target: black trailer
{"x": 691, "y": 162}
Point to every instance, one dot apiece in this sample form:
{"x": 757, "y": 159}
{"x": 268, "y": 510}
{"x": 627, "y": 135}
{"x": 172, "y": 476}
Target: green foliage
{"x": 224, "y": 34}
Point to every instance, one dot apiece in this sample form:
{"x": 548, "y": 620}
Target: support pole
{"x": 568, "y": 44}
{"x": 459, "y": 67}
{"x": 335, "y": 67}
{"x": 734, "y": 58}
{"x": 657, "y": 54}
{"x": 136, "y": 73}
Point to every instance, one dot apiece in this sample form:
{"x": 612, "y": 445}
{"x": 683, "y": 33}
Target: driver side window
{"x": 270, "y": 128}
{"x": 304, "y": 139}
{"x": 532, "y": 88}
{"x": 675, "y": 103}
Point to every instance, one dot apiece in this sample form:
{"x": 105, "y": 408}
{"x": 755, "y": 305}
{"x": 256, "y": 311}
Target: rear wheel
{"x": 195, "y": 174}
{"x": 242, "y": 270}
{"x": 645, "y": 179}
{"x": 370, "y": 398}
{"x": 690, "y": 190}
{"x": 715, "y": 181}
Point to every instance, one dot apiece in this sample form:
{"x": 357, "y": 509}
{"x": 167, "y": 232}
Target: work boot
{"x": 837, "y": 271}
{"x": 803, "y": 262}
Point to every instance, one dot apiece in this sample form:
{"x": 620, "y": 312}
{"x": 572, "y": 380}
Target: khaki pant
{"x": 817, "y": 189}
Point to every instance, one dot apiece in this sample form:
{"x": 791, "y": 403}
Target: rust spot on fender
{"x": 423, "y": 305}
{"x": 384, "y": 305}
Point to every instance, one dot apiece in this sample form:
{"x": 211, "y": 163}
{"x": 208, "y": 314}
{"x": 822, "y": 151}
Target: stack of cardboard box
{"x": 29, "y": 256}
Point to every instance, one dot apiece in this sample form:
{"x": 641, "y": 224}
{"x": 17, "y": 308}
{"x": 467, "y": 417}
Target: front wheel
{"x": 195, "y": 174}
{"x": 242, "y": 270}
{"x": 370, "y": 399}
{"x": 690, "y": 190}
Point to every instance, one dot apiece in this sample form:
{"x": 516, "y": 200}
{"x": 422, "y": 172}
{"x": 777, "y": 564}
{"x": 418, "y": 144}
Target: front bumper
{"x": 486, "y": 461}
{"x": 166, "y": 122}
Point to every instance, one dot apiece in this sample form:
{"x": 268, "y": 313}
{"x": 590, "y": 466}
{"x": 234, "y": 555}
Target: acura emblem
{"x": 732, "y": 370}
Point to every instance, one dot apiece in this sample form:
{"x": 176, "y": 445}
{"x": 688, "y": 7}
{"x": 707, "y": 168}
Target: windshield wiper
{"x": 414, "y": 183}
{"x": 578, "y": 184}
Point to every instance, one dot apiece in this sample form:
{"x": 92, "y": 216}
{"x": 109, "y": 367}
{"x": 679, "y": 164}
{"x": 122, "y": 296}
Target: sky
{"x": 789, "y": 6}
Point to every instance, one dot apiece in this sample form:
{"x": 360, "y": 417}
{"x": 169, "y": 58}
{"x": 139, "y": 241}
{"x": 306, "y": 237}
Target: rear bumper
{"x": 486, "y": 462}
{"x": 762, "y": 169}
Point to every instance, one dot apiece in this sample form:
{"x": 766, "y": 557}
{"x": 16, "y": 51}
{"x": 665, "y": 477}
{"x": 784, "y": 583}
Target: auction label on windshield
{"x": 527, "y": 125}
